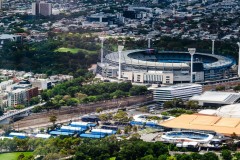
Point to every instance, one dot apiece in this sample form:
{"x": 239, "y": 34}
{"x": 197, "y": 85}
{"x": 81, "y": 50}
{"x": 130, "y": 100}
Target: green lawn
{"x": 73, "y": 50}
{"x": 13, "y": 155}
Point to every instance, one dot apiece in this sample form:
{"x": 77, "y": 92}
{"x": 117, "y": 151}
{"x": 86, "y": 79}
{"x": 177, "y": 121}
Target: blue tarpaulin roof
{"x": 61, "y": 133}
{"x": 97, "y": 136}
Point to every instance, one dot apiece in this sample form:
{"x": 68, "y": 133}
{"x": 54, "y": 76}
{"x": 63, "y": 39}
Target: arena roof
{"x": 226, "y": 126}
{"x": 217, "y": 97}
{"x": 144, "y": 61}
{"x": 229, "y": 111}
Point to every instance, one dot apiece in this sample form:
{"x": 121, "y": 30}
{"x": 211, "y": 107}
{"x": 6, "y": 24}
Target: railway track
{"x": 74, "y": 112}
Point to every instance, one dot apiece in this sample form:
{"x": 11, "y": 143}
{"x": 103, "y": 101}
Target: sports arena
{"x": 167, "y": 67}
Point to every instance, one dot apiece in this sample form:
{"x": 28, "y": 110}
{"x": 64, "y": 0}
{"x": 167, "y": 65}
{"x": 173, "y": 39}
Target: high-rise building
{"x": 1, "y": 2}
{"x": 41, "y": 8}
{"x": 35, "y": 8}
{"x": 45, "y": 9}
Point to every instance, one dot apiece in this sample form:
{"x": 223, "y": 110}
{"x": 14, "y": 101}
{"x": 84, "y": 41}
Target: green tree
{"x": 138, "y": 90}
{"x": 210, "y": 155}
{"x": 226, "y": 154}
{"x": 121, "y": 116}
{"x": 192, "y": 104}
{"x": 34, "y": 100}
{"x": 21, "y": 156}
{"x": 53, "y": 119}
{"x": 237, "y": 155}
{"x": 148, "y": 157}
{"x": 98, "y": 110}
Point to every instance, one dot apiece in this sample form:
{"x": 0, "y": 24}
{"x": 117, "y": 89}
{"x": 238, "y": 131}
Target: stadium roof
{"x": 226, "y": 126}
{"x": 217, "y": 97}
{"x": 232, "y": 111}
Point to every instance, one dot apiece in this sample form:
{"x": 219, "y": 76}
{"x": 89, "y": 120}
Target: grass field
{"x": 13, "y": 155}
{"x": 74, "y": 50}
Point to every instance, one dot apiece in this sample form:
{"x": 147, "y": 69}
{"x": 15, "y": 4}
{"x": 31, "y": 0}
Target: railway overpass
{"x": 5, "y": 119}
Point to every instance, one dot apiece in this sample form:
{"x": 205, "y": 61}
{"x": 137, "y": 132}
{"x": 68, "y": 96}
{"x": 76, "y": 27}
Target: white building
{"x": 183, "y": 91}
{"x": 18, "y": 96}
{"x": 41, "y": 83}
{"x": 4, "y": 84}
{"x": 214, "y": 98}
{"x": 9, "y": 38}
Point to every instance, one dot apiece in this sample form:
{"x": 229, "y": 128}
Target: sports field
{"x": 74, "y": 50}
{"x": 13, "y": 155}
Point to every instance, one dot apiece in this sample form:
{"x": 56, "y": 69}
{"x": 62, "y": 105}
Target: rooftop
{"x": 226, "y": 126}
{"x": 178, "y": 86}
{"x": 217, "y": 97}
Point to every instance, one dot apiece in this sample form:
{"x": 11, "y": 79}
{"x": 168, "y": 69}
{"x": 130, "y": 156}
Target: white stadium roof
{"x": 217, "y": 97}
{"x": 229, "y": 111}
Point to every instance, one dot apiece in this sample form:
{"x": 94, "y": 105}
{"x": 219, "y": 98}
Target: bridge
{"x": 4, "y": 119}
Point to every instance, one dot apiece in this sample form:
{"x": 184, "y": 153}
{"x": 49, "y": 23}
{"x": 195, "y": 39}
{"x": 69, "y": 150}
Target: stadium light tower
{"x": 120, "y": 48}
{"x": 213, "y": 46}
{"x": 238, "y": 43}
{"x": 149, "y": 42}
{"x": 102, "y": 40}
{"x": 192, "y": 52}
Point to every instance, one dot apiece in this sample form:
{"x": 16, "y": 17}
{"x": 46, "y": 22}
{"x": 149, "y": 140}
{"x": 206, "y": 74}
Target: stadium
{"x": 165, "y": 67}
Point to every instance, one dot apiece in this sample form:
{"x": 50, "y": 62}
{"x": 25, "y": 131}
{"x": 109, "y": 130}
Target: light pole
{"x": 213, "y": 46}
{"x": 192, "y": 52}
{"x": 238, "y": 43}
{"x": 102, "y": 40}
{"x": 120, "y": 48}
{"x": 149, "y": 42}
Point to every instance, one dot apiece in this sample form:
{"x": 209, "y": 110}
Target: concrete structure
{"x": 45, "y": 9}
{"x": 149, "y": 77}
{"x": 42, "y": 84}
{"x": 238, "y": 59}
{"x": 9, "y": 38}
{"x": 192, "y": 52}
{"x": 230, "y": 111}
{"x": 4, "y": 84}
{"x": 102, "y": 40}
{"x": 35, "y": 8}
{"x": 16, "y": 97}
{"x": 213, "y": 46}
{"x": 120, "y": 48}
{"x": 41, "y": 8}
{"x": 141, "y": 63}
{"x": 213, "y": 98}
{"x": 183, "y": 91}
{"x": 1, "y": 4}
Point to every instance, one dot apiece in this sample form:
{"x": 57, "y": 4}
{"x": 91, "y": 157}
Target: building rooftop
{"x": 178, "y": 86}
{"x": 217, "y": 97}
{"x": 222, "y": 125}
{"x": 232, "y": 110}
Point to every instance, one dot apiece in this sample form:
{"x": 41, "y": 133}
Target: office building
{"x": 41, "y": 8}
{"x": 45, "y": 9}
{"x": 182, "y": 91}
